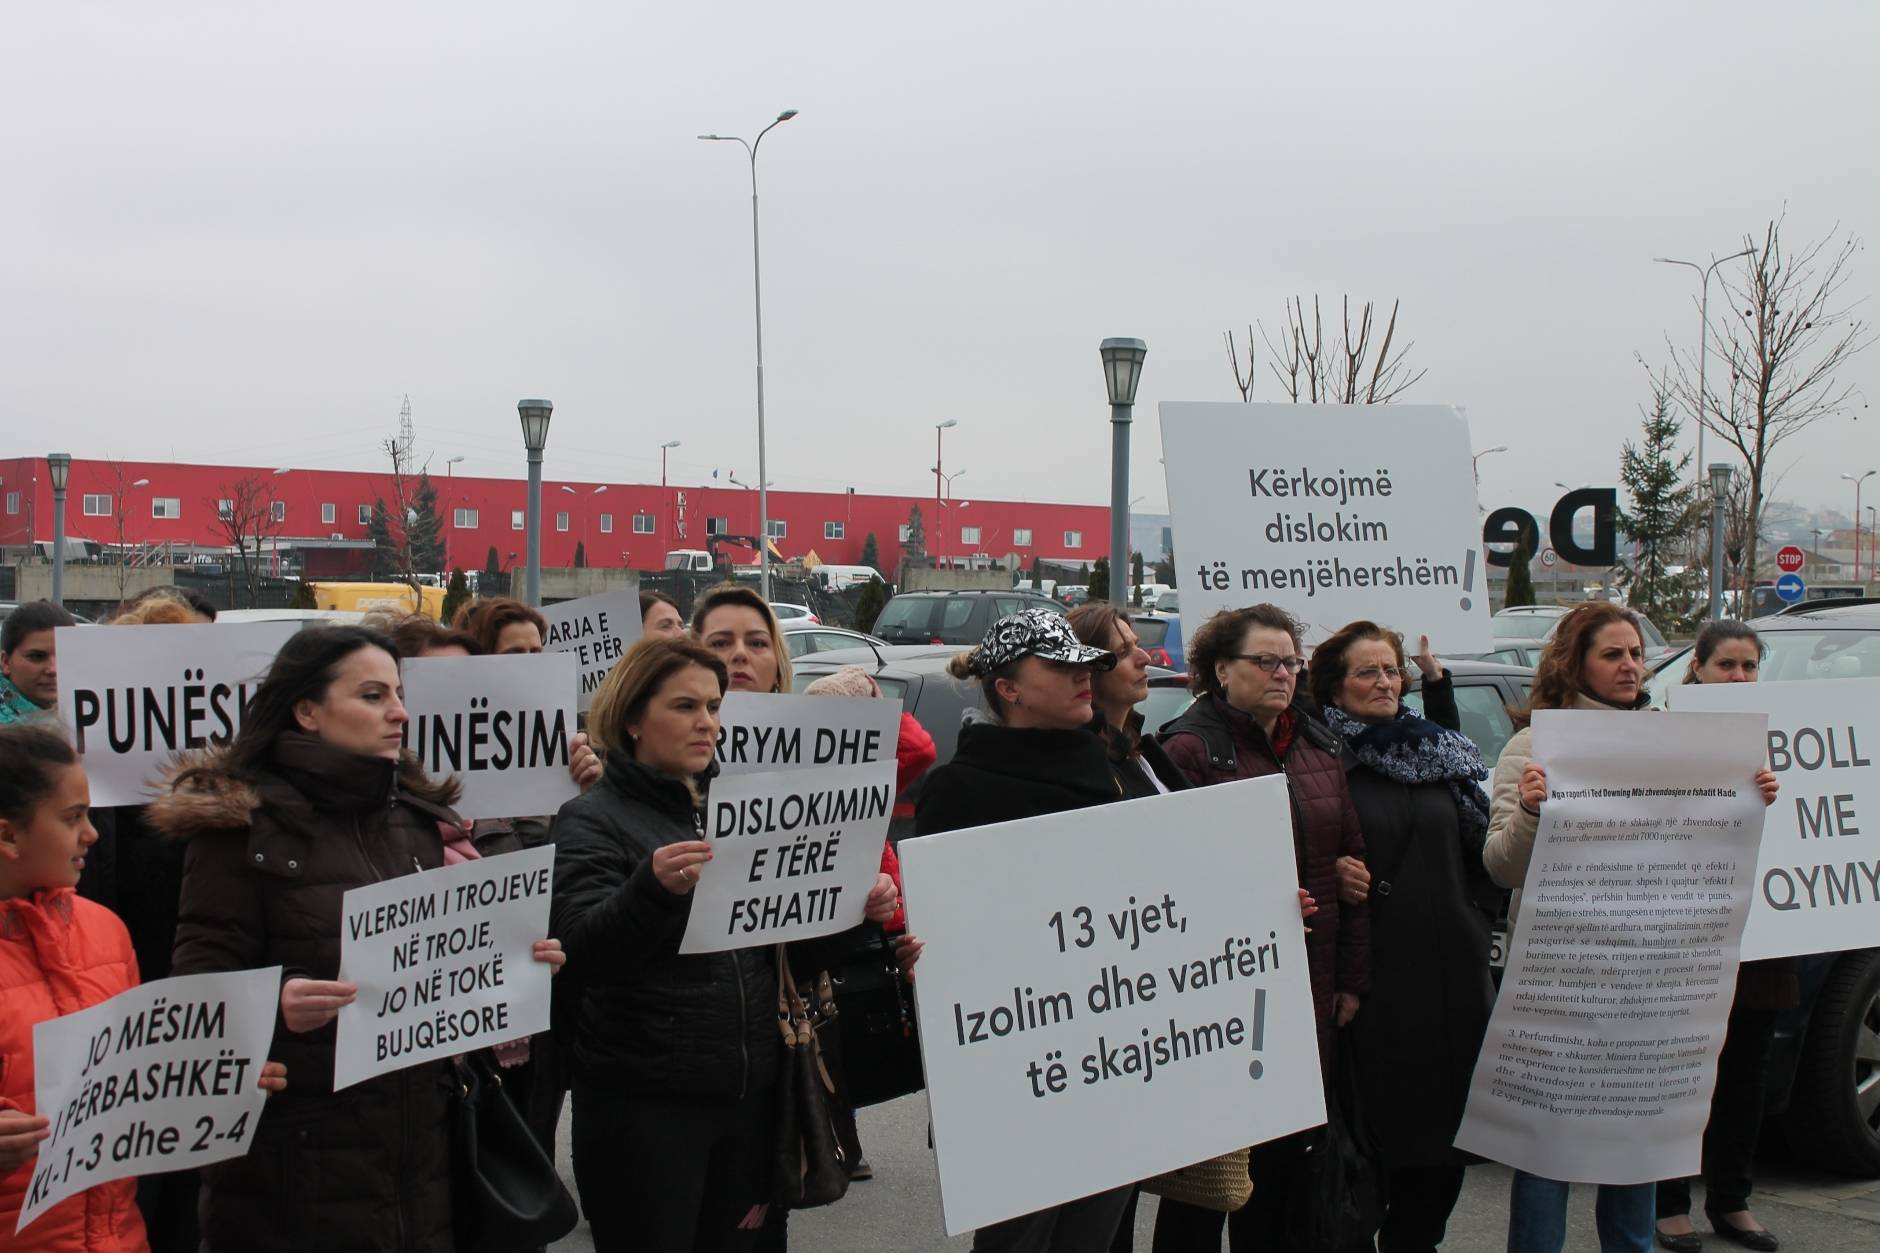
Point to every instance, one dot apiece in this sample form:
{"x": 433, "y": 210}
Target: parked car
{"x": 787, "y": 612}
{"x": 803, "y": 636}
{"x": 951, "y": 617}
{"x": 1169, "y": 602}
{"x": 1533, "y": 625}
{"x": 1161, "y": 635}
{"x": 1071, "y": 595}
{"x": 1824, "y": 1072}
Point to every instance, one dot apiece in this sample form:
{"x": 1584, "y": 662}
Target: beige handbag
{"x": 1220, "y": 1183}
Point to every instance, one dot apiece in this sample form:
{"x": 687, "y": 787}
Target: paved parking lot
{"x": 900, "y": 1208}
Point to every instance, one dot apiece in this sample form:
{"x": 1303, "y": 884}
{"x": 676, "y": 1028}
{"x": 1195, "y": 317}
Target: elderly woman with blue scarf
{"x": 1416, "y": 782}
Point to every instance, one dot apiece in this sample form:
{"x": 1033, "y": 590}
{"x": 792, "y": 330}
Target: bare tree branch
{"x": 246, "y": 518}
{"x": 1309, "y": 369}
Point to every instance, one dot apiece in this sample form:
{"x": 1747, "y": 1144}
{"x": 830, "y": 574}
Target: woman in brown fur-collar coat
{"x": 312, "y": 798}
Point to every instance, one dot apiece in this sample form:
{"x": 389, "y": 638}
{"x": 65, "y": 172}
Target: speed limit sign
{"x": 1549, "y": 557}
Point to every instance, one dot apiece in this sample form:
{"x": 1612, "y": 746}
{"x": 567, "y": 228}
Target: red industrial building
{"x": 322, "y": 516}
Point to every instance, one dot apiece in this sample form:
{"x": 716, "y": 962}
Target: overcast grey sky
{"x": 239, "y": 231}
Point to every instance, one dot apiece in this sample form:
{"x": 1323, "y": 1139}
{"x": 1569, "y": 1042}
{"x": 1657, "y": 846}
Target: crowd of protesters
{"x": 1406, "y": 848}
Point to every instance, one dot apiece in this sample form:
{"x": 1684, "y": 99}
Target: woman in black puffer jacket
{"x": 675, "y": 1056}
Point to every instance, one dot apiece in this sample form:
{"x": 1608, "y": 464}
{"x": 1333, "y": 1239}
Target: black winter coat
{"x": 1416, "y": 1038}
{"x": 138, "y": 875}
{"x": 1000, "y": 773}
{"x": 652, "y": 1022}
{"x": 266, "y": 865}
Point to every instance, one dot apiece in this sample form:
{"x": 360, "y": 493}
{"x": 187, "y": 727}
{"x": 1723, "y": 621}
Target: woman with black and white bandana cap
{"x": 1032, "y": 751}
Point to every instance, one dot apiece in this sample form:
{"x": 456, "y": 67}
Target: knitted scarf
{"x": 1412, "y": 749}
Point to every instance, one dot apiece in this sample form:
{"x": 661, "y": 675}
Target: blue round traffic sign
{"x": 1791, "y": 588}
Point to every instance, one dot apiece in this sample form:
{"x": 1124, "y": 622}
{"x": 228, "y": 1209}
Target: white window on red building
{"x": 365, "y": 515}
{"x": 561, "y": 520}
{"x": 166, "y": 507}
{"x": 329, "y": 514}
{"x": 834, "y": 530}
{"x": 607, "y": 524}
{"x": 463, "y": 519}
{"x": 97, "y": 504}
{"x": 515, "y": 520}
{"x": 1021, "y": 537}
{"x": 778, "y": 528}
{"x": 278, "y": 511}
{"x": 717, "y": 526}
{"x": 1073, "y": 539}
{"x": 13, "y": 502}
{"x": 969, "y": 535}
{"x": 643, "y": 524}
{"x": 224, "y": 507}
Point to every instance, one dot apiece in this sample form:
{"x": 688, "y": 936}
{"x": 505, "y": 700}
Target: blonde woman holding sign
{"x": 675, "y": 1056}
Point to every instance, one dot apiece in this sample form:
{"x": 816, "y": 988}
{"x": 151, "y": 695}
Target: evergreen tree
{"x": 1100, "y": 579}
{"x": 580, "y": 554}
{"x": 1663, "y": 522}
{"x": 424, "y": 534}
{"x": 1135, "y": 572}
{"x": 1520, "y": 579}
{"x": 387, "y": 559}
{"x": 492, "y": 574}
{"x": 303, "y": 597}
{"x": 870, "y": 603}
{"x": 457, "y": 595}
{"x": 871, "y": 552}
{"x": 915, "y": 545}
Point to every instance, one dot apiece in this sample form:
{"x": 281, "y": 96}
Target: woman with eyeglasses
{"x": 1417, "y": 783}
{"x": 1243, "y": 666}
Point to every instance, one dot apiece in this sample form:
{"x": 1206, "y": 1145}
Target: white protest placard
{"x": 1334, "y": 513}
{"x": 444, "y": 962}
{"x": 767, "y": 731}
{"x": 131, "y": 698}
{"x": 794, "y": 853}
{"x": 1110, "y": 993}
{"x": 164, "y": 1076}
{"x": 500, "y": 724}
{"x": 598, "y": 630}
{"x": 1602, "y": 1049}
{"x": 1818, "y": 876}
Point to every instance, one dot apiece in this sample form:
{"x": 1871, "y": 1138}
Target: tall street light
{"x": 665, "y": 448}
{"x": 1122, "y": 370}
{"x": 1720, "y": 476}
{"x": 757, "y": 305}
{"x": 1475, "y": 463}
{"x": 939, "y": 479}
{"x": 1703, "y": 336}
{"x": 535, "y": 415}
{"x": 1857, "y": 481}
{"x": 59, "y": 466}
{"x": 1873, "y": 538}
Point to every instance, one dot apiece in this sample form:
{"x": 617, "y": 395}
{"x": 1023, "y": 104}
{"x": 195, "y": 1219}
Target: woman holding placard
{"x": 1731, "y": 652}
{"x": 314, "y": 797}
{"x": 1245, "y": 723}
{"x": 1035, "y": 752}
{"x": 59, "y": 954}
{"x": 1417, "y": 783}
{"x": 675, "y": 1056}
{"x": 1595, "y": 660}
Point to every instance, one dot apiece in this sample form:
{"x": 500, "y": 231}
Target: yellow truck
{"x": 366, "y": 597}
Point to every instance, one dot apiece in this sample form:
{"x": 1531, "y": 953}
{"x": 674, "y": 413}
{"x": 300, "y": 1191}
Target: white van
{"x": 696, "y": 560}
{"x": 836, "y": 578}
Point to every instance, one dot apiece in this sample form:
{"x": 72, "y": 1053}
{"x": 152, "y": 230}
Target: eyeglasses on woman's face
{"x": 1271, "y": 662}
{"x": 1371, "y": 674}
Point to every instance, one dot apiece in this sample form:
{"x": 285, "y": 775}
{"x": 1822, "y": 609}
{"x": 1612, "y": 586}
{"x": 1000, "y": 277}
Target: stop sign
{"x": 1789, "y": 559}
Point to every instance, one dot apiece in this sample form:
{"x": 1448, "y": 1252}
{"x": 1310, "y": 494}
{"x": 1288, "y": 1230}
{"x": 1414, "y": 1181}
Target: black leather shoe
{"x": 1691, "y": 1243}
{"x": 1762, "y": 1241}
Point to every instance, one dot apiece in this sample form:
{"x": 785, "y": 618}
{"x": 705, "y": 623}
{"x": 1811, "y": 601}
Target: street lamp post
{"x": 1873, "y": 537}
{"x": 1857, "y": 480}
{"x": 664, "y": 448}
{"x": 1703, "y": 338}
{"x": 59, "y": 466}
{"x": 939, "y": 479}
{"x": 757, "y": 305}
{"x": 1475, "y": 464}
{"x": 1720, "y": 476}
{"x": 535, "y": 415}
{"x": 1122, "y": 370}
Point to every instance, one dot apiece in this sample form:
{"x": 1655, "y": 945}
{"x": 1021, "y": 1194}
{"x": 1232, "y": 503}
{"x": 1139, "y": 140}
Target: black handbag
{"x": 811, "y": 1162}
{"x": 505, "y": 1191}
{"x": 1338, "y": 1204}
{"x": 880, "y": 1040}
